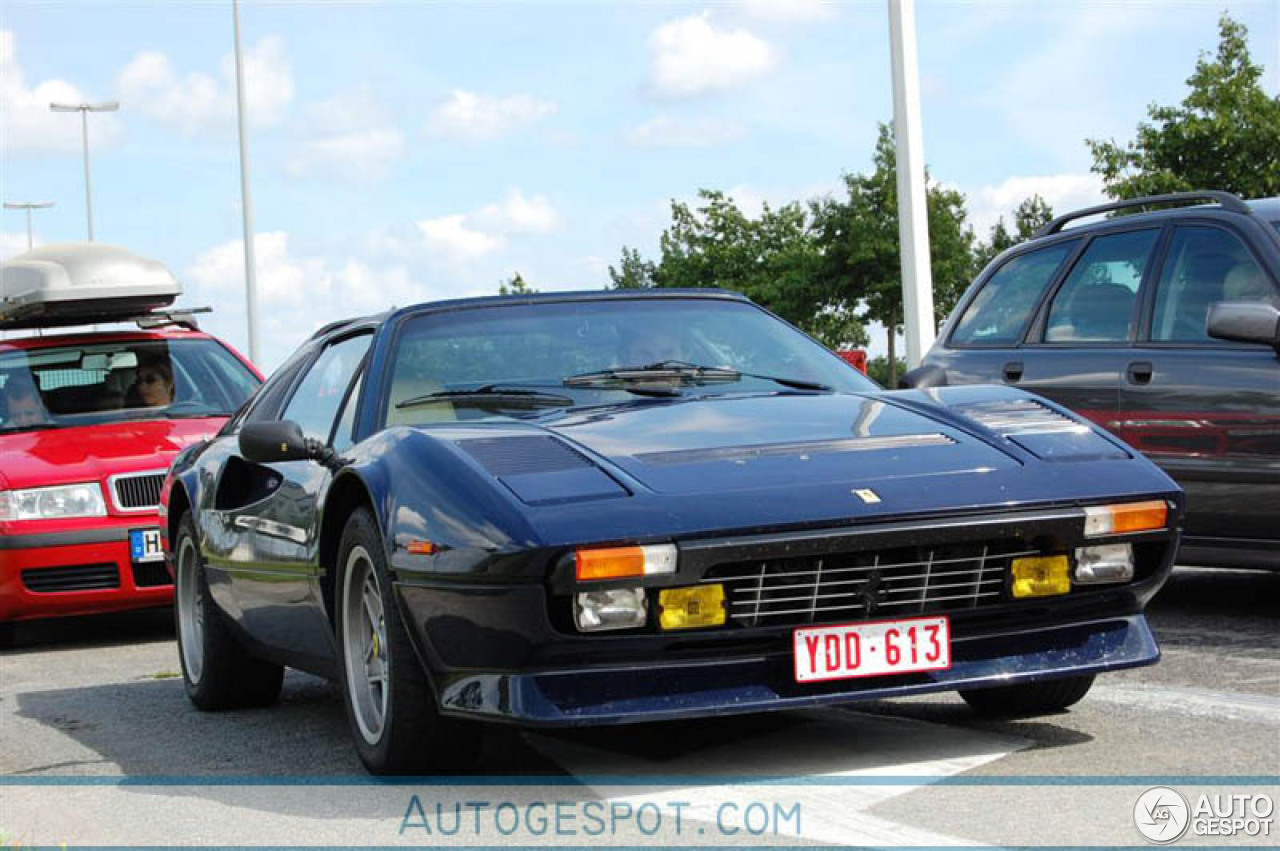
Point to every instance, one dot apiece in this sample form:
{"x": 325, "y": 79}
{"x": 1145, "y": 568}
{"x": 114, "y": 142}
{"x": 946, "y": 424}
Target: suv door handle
{"x": 1013, "y": 371}
{"x": 1140, "y": 372}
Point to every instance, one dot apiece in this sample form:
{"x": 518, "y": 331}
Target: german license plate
{"x": 144, "y": 545}
{"x": 871, "y": 649}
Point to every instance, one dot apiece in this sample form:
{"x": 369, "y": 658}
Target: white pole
{"x": 88, "y": 195}
{"x": 246, "y": 198}
{"x": 913, "y": 212}
{"x": 28, "y": 206}
{"x": 84, "y": 109}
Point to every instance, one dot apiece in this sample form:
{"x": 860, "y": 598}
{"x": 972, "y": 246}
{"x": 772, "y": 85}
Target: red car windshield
{"x": 111, "y": 381}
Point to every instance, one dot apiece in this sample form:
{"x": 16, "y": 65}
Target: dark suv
{"x": 1162, "y": 326}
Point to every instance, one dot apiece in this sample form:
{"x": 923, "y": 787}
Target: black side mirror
{"x": 923, "y": 377}
{"x": 269, "y": 442}
{"x": 1246, "y": 322}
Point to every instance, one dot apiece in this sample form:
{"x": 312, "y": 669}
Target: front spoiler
{"x": 619, "y": 695}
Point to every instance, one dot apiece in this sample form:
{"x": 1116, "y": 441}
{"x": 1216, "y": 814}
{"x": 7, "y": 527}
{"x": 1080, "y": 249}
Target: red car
{"x": 89, "y": 423}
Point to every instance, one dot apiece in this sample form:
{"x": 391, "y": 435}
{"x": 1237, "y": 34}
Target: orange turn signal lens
{"x": 1125, "y": 518}
{"x": 624, "y": 562}
{"x": 422, "y": 548}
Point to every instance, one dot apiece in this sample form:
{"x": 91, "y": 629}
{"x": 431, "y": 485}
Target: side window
{"x": 321, "y": 391}
{"x": 1098, "y": 301}
{"x": 1205, "y": 265}
{"x": 342, "y": 432}
{"x": 1000, "y": 312}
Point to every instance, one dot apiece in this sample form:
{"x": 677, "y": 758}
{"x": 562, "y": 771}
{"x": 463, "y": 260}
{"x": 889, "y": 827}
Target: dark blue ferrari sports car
{"x": 601, "y": 508}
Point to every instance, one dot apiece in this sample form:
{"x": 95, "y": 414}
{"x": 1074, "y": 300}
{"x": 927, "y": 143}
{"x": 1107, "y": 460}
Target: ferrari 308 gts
{"x": 601, "y": 508}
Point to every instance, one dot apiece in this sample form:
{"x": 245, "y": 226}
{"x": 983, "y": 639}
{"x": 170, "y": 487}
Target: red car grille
{"x": 138, "y": 491}
{"x": 81, "y": 577}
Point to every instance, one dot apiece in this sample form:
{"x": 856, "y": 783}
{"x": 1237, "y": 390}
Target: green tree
{"x": 1224, "y": 135}
{"x": 1031, "y": 215}
{"x": 515, "y": 285}
{"x": 633, "y": 272}
{"x": 858, "y": 236}
{"x": 773, "y": 259}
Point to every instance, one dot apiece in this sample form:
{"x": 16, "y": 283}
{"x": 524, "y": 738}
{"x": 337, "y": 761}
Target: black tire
{"x": 8, "y": 634}
{"x": 224, "y": 675}
{"x": 1028, "y": 699}
{"x": 412, "y": 737}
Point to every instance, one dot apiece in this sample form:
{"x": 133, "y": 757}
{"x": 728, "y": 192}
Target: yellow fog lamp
{"x": 688, "y": 608}
{"x": 1041, "y": 576}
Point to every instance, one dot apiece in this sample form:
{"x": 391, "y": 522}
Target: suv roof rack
{"x": 183, "y": 318}
{"x": 1226, "y": 200}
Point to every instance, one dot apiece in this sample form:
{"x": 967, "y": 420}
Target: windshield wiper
{"x": 490, "y": 396}
{"x": 684, "y": 373}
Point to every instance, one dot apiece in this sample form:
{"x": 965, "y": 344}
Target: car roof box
{"x": 76, "y": 283}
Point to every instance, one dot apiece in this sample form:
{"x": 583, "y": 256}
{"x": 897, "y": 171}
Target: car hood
{"x": 91, "y": 453}
{"x": 705, "y": 445}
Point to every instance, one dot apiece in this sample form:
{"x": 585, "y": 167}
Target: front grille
{"x": 137, "y": 491}
{"x": 82, "y": 577}
{"x": 859, "y": 586}
{"x": 149, "y": 574}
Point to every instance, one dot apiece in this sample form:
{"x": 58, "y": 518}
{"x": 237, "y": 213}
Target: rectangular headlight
{"x": 1125, "y": 517}
{"x": 1102, "y": 564}
{"x": 624, "y": 562}
{"x": 81, "y": 500}
{"x": 1040, "y": 576}
{"x": 613, "y": 608}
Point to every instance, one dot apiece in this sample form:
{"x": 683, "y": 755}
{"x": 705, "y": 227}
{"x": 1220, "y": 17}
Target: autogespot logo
{"x": 1162, "y": 814}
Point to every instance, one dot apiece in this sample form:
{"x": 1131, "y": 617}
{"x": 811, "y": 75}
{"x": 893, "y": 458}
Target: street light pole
{"x": 84, "y": 109}
{"x": 913, "y": 211}
{"x": 246, "y": 198}
{"x": 28, "y": 206}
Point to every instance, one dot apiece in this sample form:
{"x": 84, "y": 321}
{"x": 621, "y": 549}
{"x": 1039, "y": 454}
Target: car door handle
{"x": 1013, "y": 371}
{"x": 1140, "y": 372}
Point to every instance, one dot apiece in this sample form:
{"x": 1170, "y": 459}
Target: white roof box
{"x": 74, "y": 283}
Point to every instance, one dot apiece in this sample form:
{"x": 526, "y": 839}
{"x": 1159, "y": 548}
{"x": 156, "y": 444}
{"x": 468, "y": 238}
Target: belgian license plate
{"x": 144, "y": 545}
{"x": 872, "y": 649}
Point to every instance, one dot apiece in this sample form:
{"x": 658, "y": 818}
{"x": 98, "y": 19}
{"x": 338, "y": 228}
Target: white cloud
{"x": 363, "y": 156}
{"x": 474, "y": 117}
{"x": 1063, "y": 192}
{"x": 14, "y": 243}
{"x": 464, "y": 237}
{"x": 791, "y": 11}
{"x": 26, "y": 124}
{"x": 352, "y": 139}
{"x": 197, "y": 102}
{"x": 690, "y": 57}
{"x": 518, "y": 214}
{"x": 452, "y": 237}
{"x": 297, "y": 293}
{"x": 702, "y": 132}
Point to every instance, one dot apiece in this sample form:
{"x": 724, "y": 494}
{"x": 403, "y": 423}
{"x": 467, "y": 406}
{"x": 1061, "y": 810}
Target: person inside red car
{"x": 153, "y": 388}
{"x": 22, "y": 404}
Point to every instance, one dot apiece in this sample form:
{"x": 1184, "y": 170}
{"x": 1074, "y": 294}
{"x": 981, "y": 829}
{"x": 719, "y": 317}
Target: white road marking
{"x": 1232, "y": 705}
{"x": 825, "y": 744}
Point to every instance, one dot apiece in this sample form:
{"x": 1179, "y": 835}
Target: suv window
{"x": 315, "y": 402}
{"x": 1000, "y": 312}
{"x": 1098, "y": 300}
{"x": 1205, "y": 265}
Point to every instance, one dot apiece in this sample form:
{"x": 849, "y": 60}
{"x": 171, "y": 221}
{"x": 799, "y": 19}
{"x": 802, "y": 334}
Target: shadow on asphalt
{"x": 83, "y": 631}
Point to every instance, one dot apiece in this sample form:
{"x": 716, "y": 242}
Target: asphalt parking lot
{"x": 101, "y": 697}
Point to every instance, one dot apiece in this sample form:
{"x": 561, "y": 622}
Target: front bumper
{"x": 729, "y": 686}
{"x": 39, "y": 573}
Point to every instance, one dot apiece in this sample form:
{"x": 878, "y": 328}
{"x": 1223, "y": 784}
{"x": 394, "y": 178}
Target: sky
{"x": 405, "y": 151}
